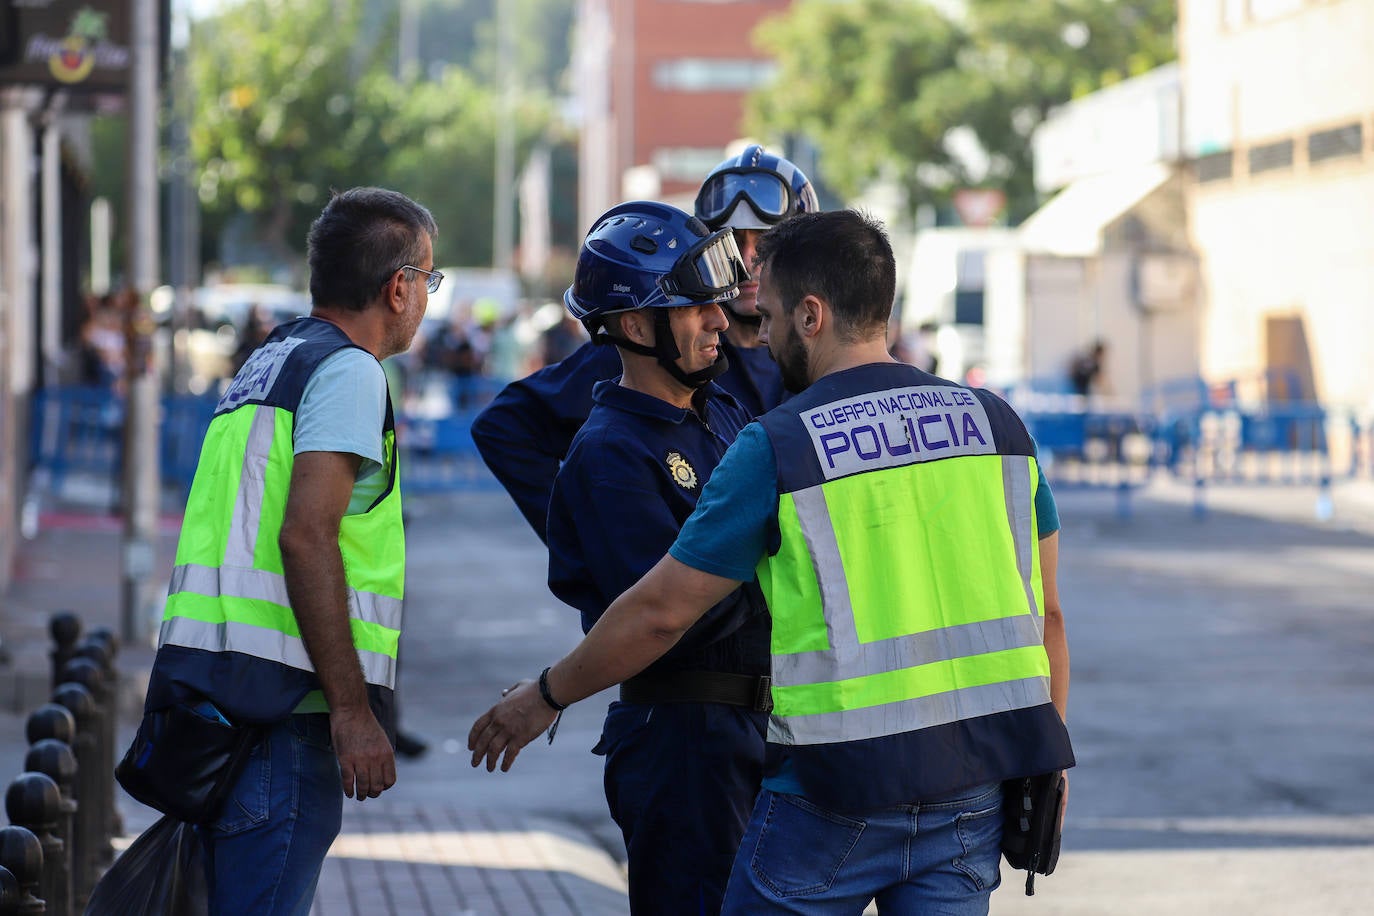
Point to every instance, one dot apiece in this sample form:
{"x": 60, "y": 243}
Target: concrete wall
{"x": 1295, "y": 241}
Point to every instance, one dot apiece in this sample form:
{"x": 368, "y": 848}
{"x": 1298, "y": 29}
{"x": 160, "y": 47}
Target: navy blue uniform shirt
{"x": 527, "y": 430}
{"x": 630, "y": 480}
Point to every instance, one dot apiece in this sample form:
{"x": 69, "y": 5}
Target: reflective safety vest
{"x": 908, "y": 655}
{"x": 228, "y": 631}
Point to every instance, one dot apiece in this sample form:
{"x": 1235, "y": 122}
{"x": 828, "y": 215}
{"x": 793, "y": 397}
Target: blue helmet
{"x": 770, "y": 187}
{"x": 644, "y": 254}
{"x": 648, "y": 255}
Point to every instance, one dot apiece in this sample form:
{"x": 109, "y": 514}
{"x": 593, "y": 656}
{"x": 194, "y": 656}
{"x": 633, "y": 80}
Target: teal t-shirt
{"x": 343, "y": 409}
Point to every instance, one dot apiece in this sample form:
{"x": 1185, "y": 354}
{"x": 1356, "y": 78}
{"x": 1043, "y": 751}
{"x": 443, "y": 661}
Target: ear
{"x": 638, "y": 327}
{"x": 810, "y": 315}
{"x": 394, "y": 293}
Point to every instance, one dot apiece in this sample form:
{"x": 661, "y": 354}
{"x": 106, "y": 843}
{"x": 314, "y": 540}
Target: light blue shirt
{"x": 343, "y": 410}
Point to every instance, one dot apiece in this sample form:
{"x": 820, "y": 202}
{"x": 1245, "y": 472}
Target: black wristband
{"x": 544, "y": 692}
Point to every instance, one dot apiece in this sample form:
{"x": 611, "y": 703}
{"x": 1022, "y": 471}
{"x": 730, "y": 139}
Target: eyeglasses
{"x": 766, "y": 192}
{"x": 432, "y": 277}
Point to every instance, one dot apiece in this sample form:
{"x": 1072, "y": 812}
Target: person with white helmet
{"x": 525, "y": 432}
{"x": 684, "y": 744}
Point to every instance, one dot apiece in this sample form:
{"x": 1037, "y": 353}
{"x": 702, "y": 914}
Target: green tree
{"x": 441, "y": 141}
{"x": 286, "y": 108}
{"x": 878, "y": 85}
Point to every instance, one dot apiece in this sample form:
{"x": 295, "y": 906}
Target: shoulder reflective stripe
{"x": 908, "y": 651}
{"x": 909, "y": 715}
{"x": 243, "y": 527}
{"x": 260, "y": 642}
{"x": 1016, "y": 488}
{"x": 813, "y": 514}
{"x": 260, "y": 585}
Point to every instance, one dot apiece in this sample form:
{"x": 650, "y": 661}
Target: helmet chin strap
{"x": 666, "y": 352}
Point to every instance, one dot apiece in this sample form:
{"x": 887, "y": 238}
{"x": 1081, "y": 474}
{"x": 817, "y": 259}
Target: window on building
{"x": 685, "y": 163}
{"x": 968, "y": 293}
{"x": 705, "y": 74}
{"x": 1271, "y": 156}
{"x": 1261, "y": 10}
{"x": 1214, "y": 166}
{"x": 1347, "y": 140}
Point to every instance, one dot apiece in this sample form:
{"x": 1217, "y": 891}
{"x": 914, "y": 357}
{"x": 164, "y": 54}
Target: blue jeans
{"x": 938, "y": 858}
{"x": 264, "y": 853}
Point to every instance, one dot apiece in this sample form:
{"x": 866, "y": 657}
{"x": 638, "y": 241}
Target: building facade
{"x": 661, "y": 87}
{"x": 1279, "y": 133}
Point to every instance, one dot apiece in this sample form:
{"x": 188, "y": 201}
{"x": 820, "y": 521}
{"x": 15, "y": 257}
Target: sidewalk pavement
{"x": 408, "y": 859}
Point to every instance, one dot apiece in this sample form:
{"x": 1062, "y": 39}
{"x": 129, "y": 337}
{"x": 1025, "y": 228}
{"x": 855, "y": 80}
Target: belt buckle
{"x": 763, "y": 695}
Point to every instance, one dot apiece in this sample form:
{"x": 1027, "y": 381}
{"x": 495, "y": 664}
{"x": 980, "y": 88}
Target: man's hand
{"x": 508, "y": 726}
{"x": 366, "y": 761}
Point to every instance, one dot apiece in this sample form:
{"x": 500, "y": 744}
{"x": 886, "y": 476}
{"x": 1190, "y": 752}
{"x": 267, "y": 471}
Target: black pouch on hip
{"x": 1031, "y": 809}
{"x": 185, "y": 759}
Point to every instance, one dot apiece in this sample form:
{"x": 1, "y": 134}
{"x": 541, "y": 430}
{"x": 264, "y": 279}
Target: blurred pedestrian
{"x": 526, "y": 430}
{"x": 919, "y": 656}
{"x": 1086, "y": 369}
{"x": 684, "y": 743}
{"x": 253, "y": 334}
{"x": 284, "y": 607}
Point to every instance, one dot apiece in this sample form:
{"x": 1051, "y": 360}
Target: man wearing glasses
{"x": 284, "y": 608}
{"x": 525, "y": 432}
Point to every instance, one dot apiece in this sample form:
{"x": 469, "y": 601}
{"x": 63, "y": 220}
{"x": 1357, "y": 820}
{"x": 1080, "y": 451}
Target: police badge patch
{"x": 682, "y": 472}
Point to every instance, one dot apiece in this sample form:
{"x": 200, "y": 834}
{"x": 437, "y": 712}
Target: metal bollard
{"x": 33, "y": 801}
{"x": 100, "y": 785}
{"x": 55, "y": 760}
{"x": 51, "y": 720}
{"x": 9, "y": 893}
{"x": 87, "y": 828}
{"x": 65, "y": 628}
{"x": 101, "y": 652}
{"x": 22, "y": 854}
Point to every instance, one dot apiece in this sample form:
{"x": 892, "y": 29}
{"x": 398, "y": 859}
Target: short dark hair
{"x": 842, "y": 256}
{"x": 358, "y": 241}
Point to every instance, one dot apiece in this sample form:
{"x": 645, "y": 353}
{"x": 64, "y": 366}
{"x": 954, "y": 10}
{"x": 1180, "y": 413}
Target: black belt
{"x": 700, "y": 687}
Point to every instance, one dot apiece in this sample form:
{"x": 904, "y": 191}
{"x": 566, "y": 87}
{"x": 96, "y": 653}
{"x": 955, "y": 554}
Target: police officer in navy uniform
{"x": 525, "y": 432}
{"x": 907, "y": 546}
{"x": 684, "y": 744}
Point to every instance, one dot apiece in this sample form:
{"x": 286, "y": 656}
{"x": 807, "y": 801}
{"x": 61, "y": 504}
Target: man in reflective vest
{"x": 284, "y": 606}
{"x": 918, "y": 648}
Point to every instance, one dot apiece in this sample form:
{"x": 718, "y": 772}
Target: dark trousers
{"x": 681, "y": 779}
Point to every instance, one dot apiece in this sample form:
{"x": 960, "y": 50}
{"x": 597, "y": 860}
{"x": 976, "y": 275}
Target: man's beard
{"x": 794, "y": 363}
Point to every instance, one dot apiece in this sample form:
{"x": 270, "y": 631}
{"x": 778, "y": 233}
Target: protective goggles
{"x": 709, "y": 270}
{"x": 771, "y": 197}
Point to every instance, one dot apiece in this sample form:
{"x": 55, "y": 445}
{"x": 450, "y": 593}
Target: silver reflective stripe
{"x": 264, "y": 643}
{"x": 902, "y": 652}
{"x": 813, "y": 515}
{"x": 247, "y": 516}
{"x": 260, "y": 585}
{"x": 909, "y": 715}
{"x": 1016, "y": 489}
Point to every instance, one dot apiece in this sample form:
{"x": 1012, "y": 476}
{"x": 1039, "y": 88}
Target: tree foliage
{"x": 295, "y": 97}
{"x": 880, "y": 85}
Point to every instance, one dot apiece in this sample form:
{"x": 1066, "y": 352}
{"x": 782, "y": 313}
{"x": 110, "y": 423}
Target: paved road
{"x": 1221, "y": 711}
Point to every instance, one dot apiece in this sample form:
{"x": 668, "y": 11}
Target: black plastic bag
{"x": 162, "y": 873}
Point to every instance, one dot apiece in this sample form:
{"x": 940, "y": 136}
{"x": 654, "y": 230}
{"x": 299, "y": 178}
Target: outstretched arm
{"x": 637, "y": 629}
